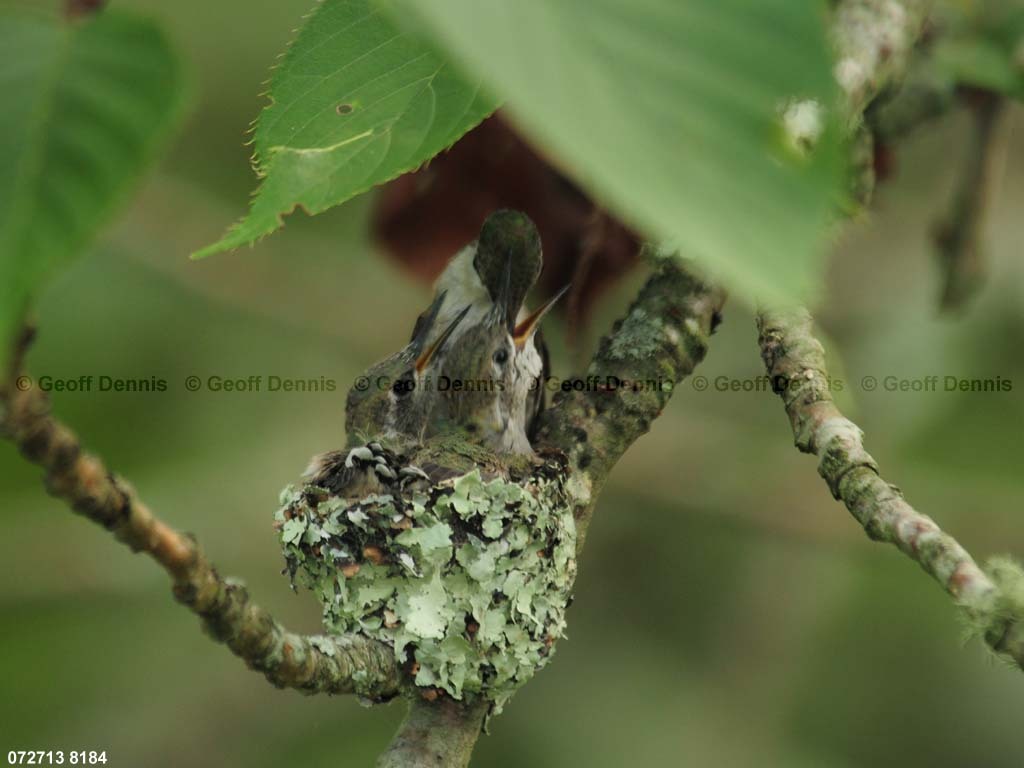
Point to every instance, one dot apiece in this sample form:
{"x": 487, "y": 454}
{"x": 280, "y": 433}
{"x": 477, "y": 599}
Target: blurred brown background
{"x": 728, "y": 611}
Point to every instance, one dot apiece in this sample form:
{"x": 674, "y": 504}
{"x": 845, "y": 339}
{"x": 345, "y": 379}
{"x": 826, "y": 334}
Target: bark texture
{"x": 992, "y": 601}
{"x": 435, "y": 733}
{"x": 634, "y": 372}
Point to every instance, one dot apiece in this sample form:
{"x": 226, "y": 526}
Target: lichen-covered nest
{"x": 467, "y": 579}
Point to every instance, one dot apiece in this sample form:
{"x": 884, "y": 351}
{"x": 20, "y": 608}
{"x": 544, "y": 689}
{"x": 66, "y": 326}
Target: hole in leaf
{"x": 343, "y": 109}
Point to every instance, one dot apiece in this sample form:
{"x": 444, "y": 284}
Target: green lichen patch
{"x": 639, "y": 336}
{"x": 467, "y": 579}
{"x": 1000, "y": 622}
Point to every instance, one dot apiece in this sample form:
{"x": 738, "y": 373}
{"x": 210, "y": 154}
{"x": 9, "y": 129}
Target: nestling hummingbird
{"x": 470, "y": 369}
{"x": 508, "y": 243}
{"x": 488, "y": 381}
{"x": 372, "y": 406}
{"x": 388, "y": 402}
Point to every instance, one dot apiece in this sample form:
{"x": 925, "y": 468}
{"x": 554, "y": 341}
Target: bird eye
{"x": 402, "y": 386}
{"x": 500, "y": 356}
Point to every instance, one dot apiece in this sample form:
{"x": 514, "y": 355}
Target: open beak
{"x": 424, "y": 359}
{"x": 522, "y": 332}
{"x": 421, "y": 331}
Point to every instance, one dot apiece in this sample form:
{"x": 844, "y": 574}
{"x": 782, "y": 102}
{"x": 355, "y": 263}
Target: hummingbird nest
{"x": 467, "y": 578}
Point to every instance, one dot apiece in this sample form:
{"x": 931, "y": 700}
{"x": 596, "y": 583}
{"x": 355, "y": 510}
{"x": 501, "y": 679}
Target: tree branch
{"x": 658, "y": 344}
{"x": 874, "y": 40}
{"x": 795, "y": 360}
{"x": 311, "y": 664}
{"x": 436, "y": 733}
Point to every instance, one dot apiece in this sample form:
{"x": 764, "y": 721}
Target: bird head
{"x": 413, "y": 394}
{"x": 370, "y": 401}
{"x": 476, "y": 377}
{"x": 508, "y": 243}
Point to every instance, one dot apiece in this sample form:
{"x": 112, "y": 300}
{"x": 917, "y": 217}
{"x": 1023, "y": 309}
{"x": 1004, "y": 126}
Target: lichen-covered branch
{"x": 992, "y": 600}
{"x": 312, "y": 664}
{"x": 630, "y": 379}
{"x": 874, "y": 40}
{"x": 435, "y": 733}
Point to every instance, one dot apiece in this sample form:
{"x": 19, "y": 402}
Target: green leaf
{"x": 86, "y": 106}
{"x": 354, "y": 103}
{"x": 669, "y": 112}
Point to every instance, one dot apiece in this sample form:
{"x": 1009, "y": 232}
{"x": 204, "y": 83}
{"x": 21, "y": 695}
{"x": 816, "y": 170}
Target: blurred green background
{"x": 728, "y": 611}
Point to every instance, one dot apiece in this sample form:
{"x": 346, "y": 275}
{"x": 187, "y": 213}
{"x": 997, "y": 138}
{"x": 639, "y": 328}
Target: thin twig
{"x": 312, "y": 664}
{"x": 960, "y": 234}
{"x": 795, "y": 361}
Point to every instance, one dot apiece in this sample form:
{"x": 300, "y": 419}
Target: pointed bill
{"x": 425, "y": 323}
{"x": 522, "y": 332}
{"x": 424, "y": 359}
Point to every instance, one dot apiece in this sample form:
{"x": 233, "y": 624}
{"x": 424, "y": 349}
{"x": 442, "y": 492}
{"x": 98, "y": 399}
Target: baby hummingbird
{"x": 530, "y": 367}
{"x": 508, "y": 242}
{"x": 474, "y": 276}
{"x": 487, "y": 380}
{"x": 372, "y": 406}
{"x": 388, "y": 402}
{"x": 413, "y": 395}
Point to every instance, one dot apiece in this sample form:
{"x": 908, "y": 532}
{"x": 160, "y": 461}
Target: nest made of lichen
{"x": 468, "y": 580}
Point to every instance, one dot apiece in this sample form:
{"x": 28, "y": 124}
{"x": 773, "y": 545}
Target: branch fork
{"x": 675, "y": 313}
